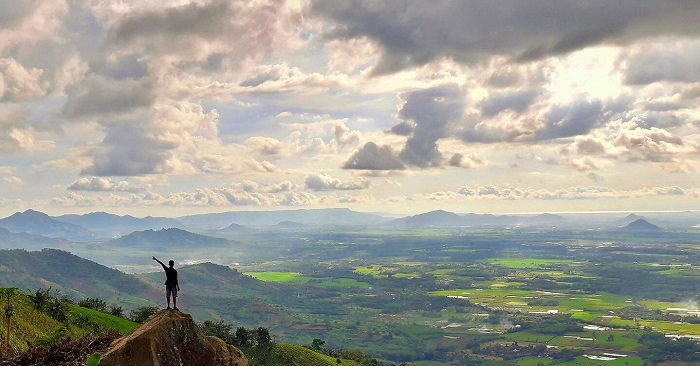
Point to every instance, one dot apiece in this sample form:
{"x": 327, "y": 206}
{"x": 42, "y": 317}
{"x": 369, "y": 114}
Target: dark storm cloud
{"x": 403, "y": 129}
{"x": 413, "y": 33}
{"x": 128, "y": 150}
{"x": 192, "y": 19}
{"x": 517, "y": 101}
{"x": 426, "y": 115}
{"x": 430, "y": 110}
{"x": 374, "y": 157}
{"x": 97, "y": 95}
{"x": 577, "y": 118}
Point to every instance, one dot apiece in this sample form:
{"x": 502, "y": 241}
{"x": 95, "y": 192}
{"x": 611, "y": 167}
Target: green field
{"x": 523, "y": 263}
{"x": 279, "y": 277}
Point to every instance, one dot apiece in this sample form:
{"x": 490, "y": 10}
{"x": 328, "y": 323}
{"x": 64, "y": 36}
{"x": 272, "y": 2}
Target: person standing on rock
{"x": 171, "y": 284}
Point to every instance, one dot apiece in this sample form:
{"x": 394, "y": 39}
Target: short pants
{"x": 170, "y": 290}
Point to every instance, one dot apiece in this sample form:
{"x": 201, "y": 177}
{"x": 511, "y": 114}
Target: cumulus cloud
{"x": 98, "y": 96}
{"x": 18, "y": 83}
{"x": 673, "y": 61}
{"x": 323, "y": 182}
{"x": 577, "y": 118}
{"x": 374, "y": 157}
{"x": 517, "y": 101}
{"x": 203, "y": 31}
{"x": 128, "y": 149}
{"x": 431, "y": 111}
{"x": 586, "y": 164}
{"x": 17, "y": 134}
{"x": 628, "y": 141}
{"x": 466, "y": 161}
{"x": 570, "y": 193}
{"x": 414, "y": 33}
{"x": 99, "y": 184}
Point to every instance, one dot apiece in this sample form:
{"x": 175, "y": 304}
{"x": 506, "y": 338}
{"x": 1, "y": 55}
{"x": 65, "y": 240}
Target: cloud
{"x": 586, "y": 164}
{"x": 629, "y": 141}
{"x": 127, "y": 149}
{"x": 18, "y": 83}
{"x": 574, "y": 119}
{"x": 491, "y": 192}
{"x": 98, "y": 184}
{"x": 98, "y": 96}
{"x": 27, "y": 23}
{"x": 13, "y": 182}
{"x": 431, "y": 111}
{"x": 210, "y": 36}
{"x": 672, "y": 61}
{"x": 16, "y": 134}
{"x": 374, "y": 157}
{"x": 466, "y": 161}
{"x": 414, "y": 33}
{"x": 517, "y": 101}
{"x": 322, "y": 182}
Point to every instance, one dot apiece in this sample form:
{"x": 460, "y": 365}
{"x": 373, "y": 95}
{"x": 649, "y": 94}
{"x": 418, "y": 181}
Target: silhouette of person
{"x": 171, "y": 284}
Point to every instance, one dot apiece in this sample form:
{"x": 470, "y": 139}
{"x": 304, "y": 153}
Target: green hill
{"x": 302, "y": 356}
{"x": 73, "y": 276}
{"x": 31, "y": 326}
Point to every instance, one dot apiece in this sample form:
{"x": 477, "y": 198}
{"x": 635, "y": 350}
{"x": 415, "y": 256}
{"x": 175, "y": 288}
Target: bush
{"x": 117, "y": 311}
{"x": 141, "y": 314}
{"x": 94, "y": 304}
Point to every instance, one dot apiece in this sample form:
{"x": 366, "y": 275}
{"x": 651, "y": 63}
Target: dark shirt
{"x": 171, "y": 276}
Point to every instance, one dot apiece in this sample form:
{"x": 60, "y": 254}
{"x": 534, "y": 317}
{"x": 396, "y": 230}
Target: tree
{"x": 263, "y": 338}
{"x": 41, "y": 298}
{"x": 241, "y": 338}
{"x": 117, "y": 311}
{"x": 317, "y": 344}
{"x": 141, "y": 314}
{"x": 9, "y": 310}
{"x": 220, "y": 329}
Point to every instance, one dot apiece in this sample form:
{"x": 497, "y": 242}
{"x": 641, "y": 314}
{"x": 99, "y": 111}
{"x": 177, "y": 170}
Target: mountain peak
{"x": 642, "y": 225}
{"x": 32, "y": 213}
{"x": 171, "y": 337}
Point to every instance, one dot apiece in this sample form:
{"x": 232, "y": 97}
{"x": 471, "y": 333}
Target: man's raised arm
{"x": 161, "y": 263}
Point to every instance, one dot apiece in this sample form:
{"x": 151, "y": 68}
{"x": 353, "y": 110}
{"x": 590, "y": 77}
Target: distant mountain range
{"x": 39, "y": 223}
{"x": 10, "y": 240}
{"x": 167, "y": 238}
{"x": 235, "y": 229}
{"x": 319, "y": 217}
{"x": 441, "y": 218}
{"x": 289, "y": 225}
{"x": 107, "y": 225}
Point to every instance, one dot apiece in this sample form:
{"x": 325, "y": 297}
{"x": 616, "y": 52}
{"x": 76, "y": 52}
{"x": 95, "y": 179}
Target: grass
{"x": 343, "y": 283}
{"x": 302, "y": 356}
{"x": 524, "y": 263}
{"x": 108, "y": 321}
{"x": 292, "y": 277}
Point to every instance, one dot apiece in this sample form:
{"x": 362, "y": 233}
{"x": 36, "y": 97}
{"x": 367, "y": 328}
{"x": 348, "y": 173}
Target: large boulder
{"x": 171, "y": 338}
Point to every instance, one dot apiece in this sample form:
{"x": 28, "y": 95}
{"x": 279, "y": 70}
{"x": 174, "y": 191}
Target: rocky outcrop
{"x": 171, "y": 338}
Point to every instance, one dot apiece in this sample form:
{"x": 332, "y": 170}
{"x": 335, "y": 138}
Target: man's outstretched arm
{"x": 161, "y": 263}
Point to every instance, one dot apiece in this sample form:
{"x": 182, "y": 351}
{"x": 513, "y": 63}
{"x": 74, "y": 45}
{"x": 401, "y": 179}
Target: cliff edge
{"x": 171, "y": 338}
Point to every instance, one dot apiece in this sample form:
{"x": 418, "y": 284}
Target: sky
{"x": 169, "y": 108}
